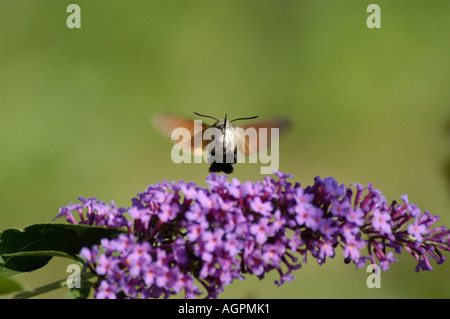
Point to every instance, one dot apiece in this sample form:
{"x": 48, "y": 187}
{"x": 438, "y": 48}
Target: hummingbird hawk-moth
{"x": 222, "y": 139}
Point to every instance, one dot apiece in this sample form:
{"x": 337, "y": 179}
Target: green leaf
{"x": 82, "y": 292}
{"x": 8, "y": 273}
{"x": 8, "y": 285}
{"x": 50, "y": 253}
{"x": 33, "y": 247}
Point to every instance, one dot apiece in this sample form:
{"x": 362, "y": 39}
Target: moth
{"x": 222, "y": 139}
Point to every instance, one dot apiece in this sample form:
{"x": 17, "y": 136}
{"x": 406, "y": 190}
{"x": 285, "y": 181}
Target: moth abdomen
{"x": 221, "y": 167}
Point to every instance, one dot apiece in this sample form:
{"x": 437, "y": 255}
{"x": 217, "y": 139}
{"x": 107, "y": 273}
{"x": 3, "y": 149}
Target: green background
{"x": 369, "y": 105}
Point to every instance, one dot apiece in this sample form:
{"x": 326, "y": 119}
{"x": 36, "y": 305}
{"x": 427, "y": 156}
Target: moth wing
{"x": 165, "y": 124}
{"x": 198, "y": 150}
{"x": 254, "y": 141}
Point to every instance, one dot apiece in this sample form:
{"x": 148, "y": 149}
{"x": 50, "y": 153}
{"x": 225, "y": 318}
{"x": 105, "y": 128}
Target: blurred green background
{"x": 369, "y": 105}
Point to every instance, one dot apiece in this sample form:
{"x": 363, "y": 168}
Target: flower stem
{"x": 40, "y": 290}
{"x": 49, "y": 287}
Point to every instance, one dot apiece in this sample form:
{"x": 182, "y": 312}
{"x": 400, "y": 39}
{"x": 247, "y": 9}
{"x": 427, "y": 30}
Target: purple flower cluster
{"x": 95, "y": 213}
{"x": 182, "y": 237}
{"x": 134, "y": 269}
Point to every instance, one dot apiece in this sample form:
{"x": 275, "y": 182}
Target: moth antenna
{"x": 206, "y": 116}
{"x": 244, "y": 118}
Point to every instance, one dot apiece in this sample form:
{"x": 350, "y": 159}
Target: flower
{"x": 381, "y": 222}
{"x": 310, "y": 216}
{"x": 168, "y": 212}
{"x": 340, "y": 208}
{"x": 263, "y": 208}
{"x": 183, "y": 238}
{"x": 233, "y": 245}
{"x": 213, "y": 240}
{"x": 106, "y": 265}
{"x": 106, "y": 291}
{"x": 272, "y": 253}
{"x": 417, "y": 231}
{"x": 355, "y": 216}
{"x": 261, "y": 230}
{"x": 352, "y": 249}
{"x": 139, "y": 213}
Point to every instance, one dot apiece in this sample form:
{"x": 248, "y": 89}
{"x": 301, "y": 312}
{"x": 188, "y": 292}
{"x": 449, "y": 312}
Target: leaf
{"x": 82, "y": 292}
{"x": 8, "y": 285}
{"x": 34, "y": 246}
{"x": 8, "y": 273}
{"x": 51, "y": 253}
